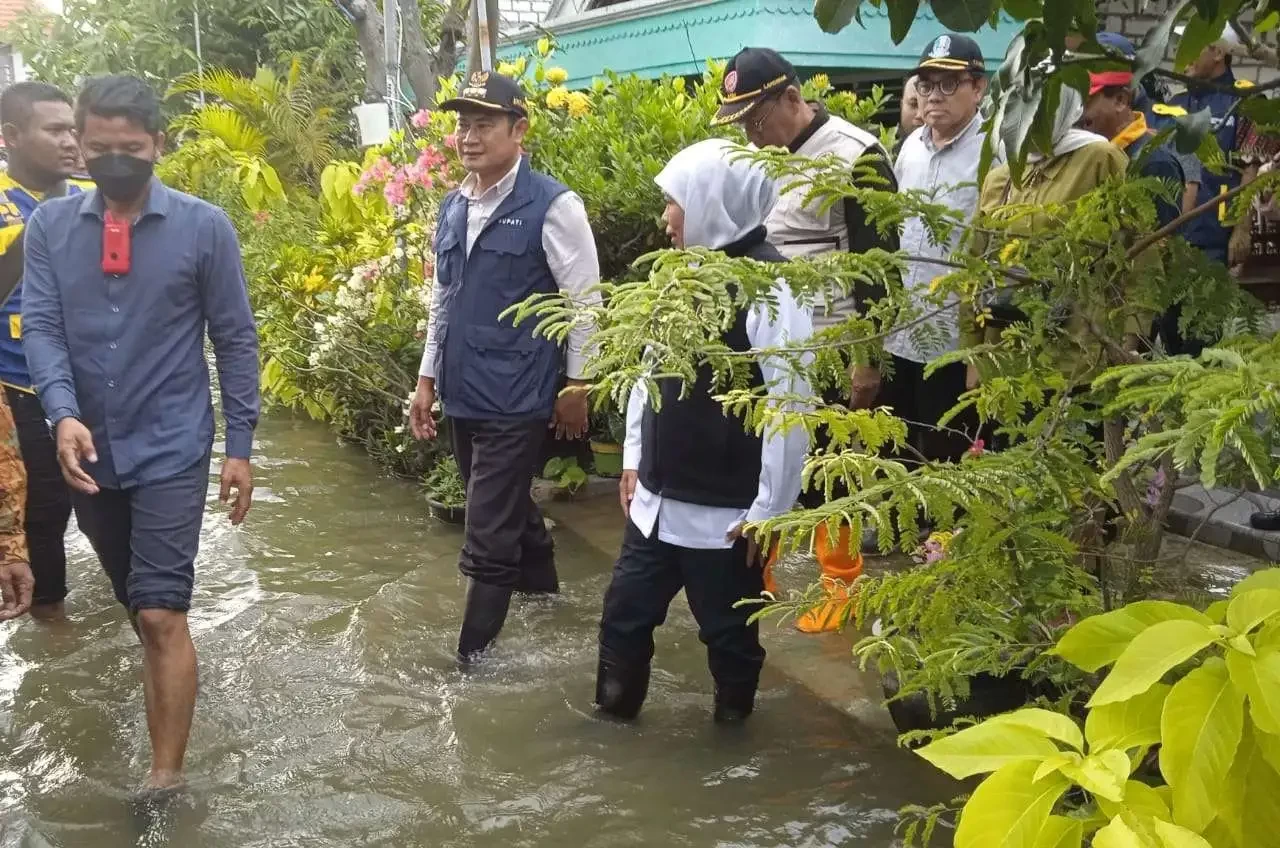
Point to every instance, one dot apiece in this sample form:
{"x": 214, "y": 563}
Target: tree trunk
{"x": 422, "y": 66}
{"x": 367, "y": 21}
{"x": 474, "y": 45}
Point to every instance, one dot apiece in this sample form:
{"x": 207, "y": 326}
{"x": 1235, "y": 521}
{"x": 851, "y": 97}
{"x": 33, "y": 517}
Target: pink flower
{"x": 360, "y": 186}
{"x": 978, "y": 448}
{"x": 1155, "y": 488}
{"x": 421, "y": 118}
{"x": 261, "y": 217}
{"x": 451, "y": 141}
{"x": 933, "y": 551}
{"x": 396, "y": 192}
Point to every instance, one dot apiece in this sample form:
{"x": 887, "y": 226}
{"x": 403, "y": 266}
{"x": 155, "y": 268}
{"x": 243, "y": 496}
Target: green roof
{"x": 676, "y": 37}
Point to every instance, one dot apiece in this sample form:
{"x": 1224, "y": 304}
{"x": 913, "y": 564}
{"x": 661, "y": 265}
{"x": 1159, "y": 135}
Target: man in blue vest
{"x": 505, "y": 234}
{"x": 1216, "y": 89}
{"x": 39, "y": 134}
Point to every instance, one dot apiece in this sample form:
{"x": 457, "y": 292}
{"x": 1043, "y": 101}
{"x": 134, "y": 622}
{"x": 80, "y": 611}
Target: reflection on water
{"x": 330, "y": 713}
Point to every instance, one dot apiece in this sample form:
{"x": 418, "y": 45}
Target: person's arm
{"x": 864, "y": 236}
{"x": 782, "y": 452}
{"x": 44, "y": 333}
{"x": 635, "y": 415}
{"x": 1166, "y": 169}
{"x": 427, "y": 368}
{"x": 16, "y": 581}
{"x": 570, "y": 247}
{"x": 225, "y": 299}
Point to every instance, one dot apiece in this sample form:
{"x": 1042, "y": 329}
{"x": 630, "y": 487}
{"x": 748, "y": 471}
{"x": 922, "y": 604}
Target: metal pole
{"x": 485, "y": 35}
{"x": 195, "y": 16}
{"x": 391, "y": 55}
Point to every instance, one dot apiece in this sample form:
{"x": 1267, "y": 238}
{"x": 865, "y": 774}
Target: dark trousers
{"x": 147, "y": 537}
{"x": 646, "y": 578}
{"x": 48, "y": 497}
{"x": 507, "y": 543}
{"x": 922, "y": 402}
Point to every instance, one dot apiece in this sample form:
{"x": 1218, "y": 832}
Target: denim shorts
{"x": 147, "y": 537}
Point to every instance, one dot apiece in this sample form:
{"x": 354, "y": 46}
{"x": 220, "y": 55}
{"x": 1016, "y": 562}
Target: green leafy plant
{"x": 565, "y": 473}
{"x": 1200, "y": 689}
{"x": 444, "y": 484}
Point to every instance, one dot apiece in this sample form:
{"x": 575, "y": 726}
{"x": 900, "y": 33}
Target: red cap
{"x": 1107, "y": 79}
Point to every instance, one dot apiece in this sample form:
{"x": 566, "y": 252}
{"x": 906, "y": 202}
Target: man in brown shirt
{"x": 16, "y": 582}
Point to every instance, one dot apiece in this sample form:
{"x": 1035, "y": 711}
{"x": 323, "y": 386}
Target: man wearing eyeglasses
{"x": 761, "y": 93}
{"x": 940, "y": 158}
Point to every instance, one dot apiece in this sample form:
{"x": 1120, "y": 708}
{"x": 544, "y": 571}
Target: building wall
{"x": 516, "y": 15}
{"x": 1131, "y": 19}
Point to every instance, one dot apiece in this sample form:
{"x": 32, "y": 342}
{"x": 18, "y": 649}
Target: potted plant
{"x": 565, "y": 475}
{"x": 446, "y": 492}
{"x": 608, "y": 432}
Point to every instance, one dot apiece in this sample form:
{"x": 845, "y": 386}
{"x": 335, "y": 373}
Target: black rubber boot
{"x": 482, "y": 622}
{"x": 1267, "y": 521}
{"x": 734, "y": 703}
{"x": 620, "y": 689}
{"x": 539, "y": 579}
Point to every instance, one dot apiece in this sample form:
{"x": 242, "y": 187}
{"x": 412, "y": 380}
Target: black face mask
{"x": 120, "y": 177}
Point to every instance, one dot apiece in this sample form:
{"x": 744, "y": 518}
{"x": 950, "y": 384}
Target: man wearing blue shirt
{"x": 120, "y": 285}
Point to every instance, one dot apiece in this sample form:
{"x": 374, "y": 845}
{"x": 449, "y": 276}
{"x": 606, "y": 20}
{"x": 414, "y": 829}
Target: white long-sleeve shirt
{"x": 781, "y": 453}
{"x": 571, "y": 255}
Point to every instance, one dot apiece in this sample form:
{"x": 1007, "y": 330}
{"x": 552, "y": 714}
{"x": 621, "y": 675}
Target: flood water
{"x": 330, "y": 712}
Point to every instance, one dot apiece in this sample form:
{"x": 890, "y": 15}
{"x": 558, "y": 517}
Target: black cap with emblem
{"x": 751, "y": 76}
{"x": 952, "y": 52}
{"x": 487, "y": 90}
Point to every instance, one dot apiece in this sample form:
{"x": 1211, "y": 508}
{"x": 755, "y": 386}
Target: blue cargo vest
{"x": 1209, "y": 232}
{"x": 487, "y": 367}
{"x": 17, "y": 205}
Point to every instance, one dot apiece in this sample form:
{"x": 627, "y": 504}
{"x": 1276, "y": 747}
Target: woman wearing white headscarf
{"x": 1078, "y": 162}
{"x": 694, "y": 475}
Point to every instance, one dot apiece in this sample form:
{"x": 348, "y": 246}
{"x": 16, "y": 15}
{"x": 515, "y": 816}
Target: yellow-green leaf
{"x": 1138, "y": 798}
{"x": 1061, "y": 832}
{"x": 1052, "y": 764}
{"x": 1127, "y": 724}
{"x": 1102, "y": 774}
{"x": 1119, "y": 835}
{"x": 1149, "y": 657}
{"x": 1251, "y": 799}
{"x": 1259, "y": 678}
{"x": 1100, "y": 639}
{"x": 1173, "y": 836}
{"x": 987, "y": 747}
{"x": 1249, "y": 609}
{"x": 1201, "y": 727}
{"x": 1046, "y": 722}
{"x": 1009, "y": 809}
{"x": 1268, "y": 578}
{"x": 1217, "y": 611}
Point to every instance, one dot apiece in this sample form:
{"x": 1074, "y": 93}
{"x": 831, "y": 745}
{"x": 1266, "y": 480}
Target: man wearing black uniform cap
{"x": 761, "y": 93}
{"x": 505, "y": 234}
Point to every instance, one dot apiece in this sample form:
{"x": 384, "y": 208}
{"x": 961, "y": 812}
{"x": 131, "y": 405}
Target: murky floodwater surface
{"x": 330, "y": 713}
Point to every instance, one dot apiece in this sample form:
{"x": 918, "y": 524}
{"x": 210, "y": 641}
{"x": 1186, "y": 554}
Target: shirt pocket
{"x": 502, "y": 371}
{"x": 508, "y": 247}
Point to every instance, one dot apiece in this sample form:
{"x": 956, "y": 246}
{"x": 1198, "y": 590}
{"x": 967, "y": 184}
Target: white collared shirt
{"x": 950, "y": 172}
{"x": 568, "y": 244}
{"x": 782, "y": 454}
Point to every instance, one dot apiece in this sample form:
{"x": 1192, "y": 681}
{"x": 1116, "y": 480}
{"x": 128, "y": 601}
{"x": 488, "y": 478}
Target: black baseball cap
{"x": 952, "y": 52}
{"x": 751, "y": 76}
{"x": 492, "y": 91}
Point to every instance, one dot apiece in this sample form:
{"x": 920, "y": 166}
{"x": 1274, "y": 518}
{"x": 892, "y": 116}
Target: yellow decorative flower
{"x": 822, "y": 82}
{"x": 1009, "y": 251}
{"x": 520, "y": 65}
{"x": 557, "y": 76}
{"x": 507, "y": 69}
{"x": 558, "y": 97}
{"x": 579, "y": 104}
{"x": 933, "y": 285}
{"x": 1244, "y": 83}
{"x": 544, "y": 46}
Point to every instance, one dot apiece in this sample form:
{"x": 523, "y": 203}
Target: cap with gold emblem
{"x": 750, "y": 77}
{"x": 952, "y": 52}
{"x": 487, "y": 90}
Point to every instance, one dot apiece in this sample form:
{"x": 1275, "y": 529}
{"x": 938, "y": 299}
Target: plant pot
{"x": 444, "y": 512}
{"x": 988, "y": 696}
{"x": 606, "y": 459}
